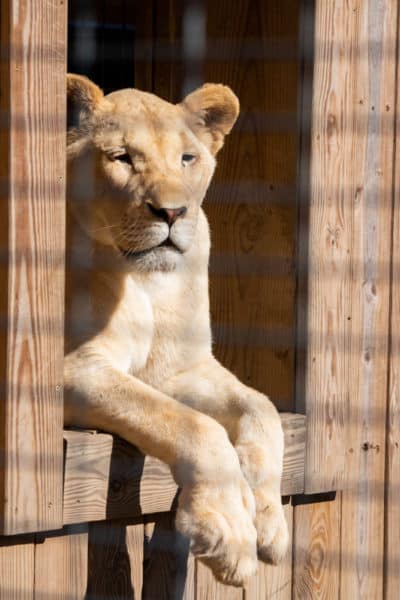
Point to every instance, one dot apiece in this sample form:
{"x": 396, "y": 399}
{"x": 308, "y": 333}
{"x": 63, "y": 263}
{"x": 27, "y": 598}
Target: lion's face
{"x": 139, "y": 167}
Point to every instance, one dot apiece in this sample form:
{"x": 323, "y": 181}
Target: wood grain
{"x": 349, "y": 233}
{"x": 17, "y": 567}
{"x": 316, "y": 548}
{"x": 362, "y": 506}
{"x": 251, "y": 204}
{"x": 392, "y": 483}
{"x": 33, "y": 100}
{"x": 208, "y": 587}
{"x": 105, "y": 477}
{"x": 274, "y": 582}
{"x": 61, "y": 564}
{"x": 253, "y": 230}
{"x": 115, "y": 560}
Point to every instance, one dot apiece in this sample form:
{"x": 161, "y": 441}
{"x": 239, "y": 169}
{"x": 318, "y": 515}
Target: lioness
{"x": 139, "y": 360}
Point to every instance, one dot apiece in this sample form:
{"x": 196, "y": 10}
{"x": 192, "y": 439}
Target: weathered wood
{"x": 166, "y": 556}
{"x": 274, "y": 581}
{"x": 115, "y": 560}
{"x": 294, "y": 427}
{"x": 349, "y": 233}
{"x": 17, "y": 567}
{"x": 32, "y": 244}
{"x": 392, "y": 482}
{"x": 208, "y": 587}
{"x": 316, "y": 551}
{"x": 105, "y": 477}
{"x": 61, "y": 564}
{"x": 362, "y": 525}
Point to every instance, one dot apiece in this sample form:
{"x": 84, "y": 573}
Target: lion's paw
{"x": 272, "y": 529}
{"x": 218, "y": 519}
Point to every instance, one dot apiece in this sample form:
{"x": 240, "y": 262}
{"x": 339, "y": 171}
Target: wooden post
{"x": 33, "y": 43}
{"x": 344, "y": 242}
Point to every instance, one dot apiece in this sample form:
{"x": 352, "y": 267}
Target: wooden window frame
{"x": 343, "y": 298}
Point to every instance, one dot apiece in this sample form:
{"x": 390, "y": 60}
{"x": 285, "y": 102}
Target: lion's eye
{"x": 125, "y": 158}
{"x": 187, "y": 159}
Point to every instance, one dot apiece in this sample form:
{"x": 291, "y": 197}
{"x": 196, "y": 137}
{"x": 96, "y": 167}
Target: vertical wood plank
{"x": 392, "y": 483}
{"x": 274, "y": 582}
{"x": 190, "y": 582}
{"x": 316, "y": 551}
{"x": 165, "y": 559}
{"x": 208, "y": 587}
{"x": 17, "y": 560}
{"x": 363, "y": 505}
{"x": 115, "y": 560}
{"x": 61, "y": 561}
{"x": 134, "y": 538}
{"x": 351, "y": 167}
{"x": 32, "y": 215}
{"x": 251, "y": 203}
{"x": 325, "y": 248}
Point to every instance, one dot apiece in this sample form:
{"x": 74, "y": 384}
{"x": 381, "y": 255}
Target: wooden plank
{"x": 316, "y": 549}
{"x": 17, "y": 562}
{"x": 115, "y": 560}
{"x": 349, "y": 233}
{"x": 294, "y": 427}
{"x": 208, "y": 587}
{"x": 105, "y": 477}
{"x": 32, "y": 215}
{"x": 165, "y": 559}
{"x": 61, "y": 561}
{"x": 134, "y": 539}
{"x": 274, "y": 581}
{"x": 363, "y": 505}
{"x": 190, "y": 582}
{"x": 392, "y": 483}
{"x": 250, "y": 205}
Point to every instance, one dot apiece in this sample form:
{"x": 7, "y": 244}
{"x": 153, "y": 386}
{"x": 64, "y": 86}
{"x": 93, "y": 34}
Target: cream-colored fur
{"x": 138, "y": 360}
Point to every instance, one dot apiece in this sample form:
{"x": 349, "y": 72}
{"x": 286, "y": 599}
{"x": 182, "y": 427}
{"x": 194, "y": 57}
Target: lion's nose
{"x": 169, "y": 215}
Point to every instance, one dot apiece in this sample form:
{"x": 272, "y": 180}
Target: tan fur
{"x": 138, "y": 360}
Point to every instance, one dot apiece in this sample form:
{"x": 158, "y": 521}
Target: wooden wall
{"x": 32, "y": 207}
{"x": 304, "y": 284}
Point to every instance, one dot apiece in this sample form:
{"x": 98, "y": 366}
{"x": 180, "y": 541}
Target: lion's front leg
{"x": 216, "y": 504}
{"x": 255, "y": 430}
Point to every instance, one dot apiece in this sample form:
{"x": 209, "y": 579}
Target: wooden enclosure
{"x": 305, "y": 221}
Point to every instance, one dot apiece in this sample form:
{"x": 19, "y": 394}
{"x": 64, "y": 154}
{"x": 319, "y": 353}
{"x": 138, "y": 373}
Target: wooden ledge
{"x": 105, "y": 477}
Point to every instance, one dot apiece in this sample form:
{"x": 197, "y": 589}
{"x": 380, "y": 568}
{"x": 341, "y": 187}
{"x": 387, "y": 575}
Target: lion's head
{"x": 139, "y": 167}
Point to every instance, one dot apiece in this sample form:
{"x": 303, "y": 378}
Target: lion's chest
{"x": 172, "y": 330}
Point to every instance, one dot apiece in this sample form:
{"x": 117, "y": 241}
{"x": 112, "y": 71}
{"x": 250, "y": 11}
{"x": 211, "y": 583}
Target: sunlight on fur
{"x": 139, "y": 359}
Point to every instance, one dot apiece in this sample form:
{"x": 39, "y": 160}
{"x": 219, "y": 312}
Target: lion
{"x": 139, "y": 360}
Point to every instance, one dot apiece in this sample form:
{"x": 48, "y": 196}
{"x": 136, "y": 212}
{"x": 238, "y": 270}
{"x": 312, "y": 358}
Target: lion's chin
{"x": 165, "y": 257}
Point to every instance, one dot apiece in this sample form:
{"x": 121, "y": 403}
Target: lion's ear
{"x": 83, "y": 98}
{"x": 212, "y": 110}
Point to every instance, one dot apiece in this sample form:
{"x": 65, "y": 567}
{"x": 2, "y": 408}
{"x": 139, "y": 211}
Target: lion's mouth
{"x": 133, "y": 254}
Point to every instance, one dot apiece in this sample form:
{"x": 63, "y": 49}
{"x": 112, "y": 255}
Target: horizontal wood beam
{"x": 105, "y": 477}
